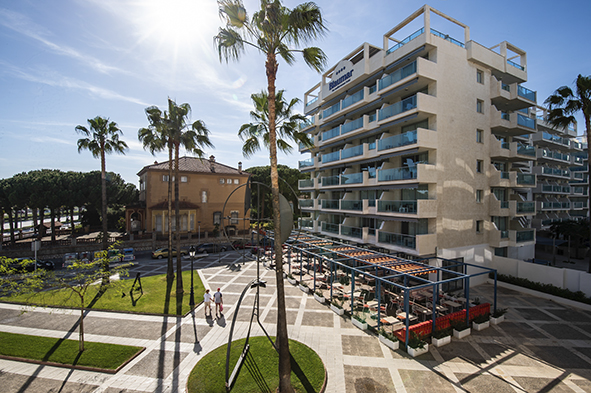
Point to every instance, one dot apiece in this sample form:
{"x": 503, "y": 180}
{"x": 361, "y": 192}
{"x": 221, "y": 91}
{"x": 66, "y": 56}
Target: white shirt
{"x": 207, "y": 297}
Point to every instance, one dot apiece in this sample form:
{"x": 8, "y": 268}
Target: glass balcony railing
{"x": 306, "y": 183}
{"x": 505, "y": 87}
{"x": 398, "y": 107}
{"x": 352, "y": 178}
{"x": 372, "y": 117}
{"x": 352, "y": 152}
{"x": 526, "y": 150}
{"x": 398, "y": 75}
{"x": 330, "y": 157}
{"x": 330, "y": 181}
{"x": 330, "y": 204}
{"x": 525, "y": 236}
{"x": 326, "y": 135}
{"x": 512, "y": 63}
{"x": 352, "y": 231}
{"x": 306, "y": 163}
{"x": 526, "y": 121}
{"x": 372, "y": 89}
{"x": 504, "y": 204}
{"x": 308, "y": 224}
{"x": 332, "y": 228}
{"x": 504, "y": 175}
{"x": 352, "y": 125}
{"x": 398, "y": 239}
{"x": 352, "y": 99}
{"x": 526, "y": 93}
{"x": 402, "y": 173}
{"x": 406, "y": 40}
{"x": 555, "y": 138}
{"x": 526, "y": 179}
{"x": 309, "y": 122}
{"x": 447, "y": 38}
{"x": 578, "y": 160}
{"x": 397, "y": 206}
{"x": 351, "y": 205}
{"x": 504, "y": 234}
{"x": 407, "y": 138}
{"x": 371, "y": 146}
{"x": 313, "y": 100}
{"x": 526, "y": 207}
{"x": 505, "y": 116}
{"x": 332, "y": 110}
{"x": 306, "y": 202}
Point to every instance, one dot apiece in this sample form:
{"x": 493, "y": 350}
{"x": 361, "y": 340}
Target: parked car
{"x": 212, "y": 248}
{"x": 128, "y": 255}
{"x": 240, "y": 244}
{"x": 163, "y": 253}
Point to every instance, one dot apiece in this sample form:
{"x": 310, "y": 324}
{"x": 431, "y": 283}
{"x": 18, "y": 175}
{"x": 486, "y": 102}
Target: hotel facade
{"x": 423, "y": 147}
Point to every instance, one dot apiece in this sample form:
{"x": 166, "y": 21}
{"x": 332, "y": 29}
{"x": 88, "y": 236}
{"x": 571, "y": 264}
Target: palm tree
{"x": 193, "y": 140}
{"x": 102, "y": 139}
{"x": 562, "y": 106}
{"x": 274, "y": 30}
{"x": 286, "y": 125}
{"x": 155, "y": 138}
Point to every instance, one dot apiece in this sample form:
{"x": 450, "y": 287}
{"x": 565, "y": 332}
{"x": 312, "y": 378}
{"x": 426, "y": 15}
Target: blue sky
{"x": 63, "y": 62}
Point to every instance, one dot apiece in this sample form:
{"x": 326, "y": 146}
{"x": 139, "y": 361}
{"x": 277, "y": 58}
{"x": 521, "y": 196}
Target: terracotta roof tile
{"x": 196, "y": 165}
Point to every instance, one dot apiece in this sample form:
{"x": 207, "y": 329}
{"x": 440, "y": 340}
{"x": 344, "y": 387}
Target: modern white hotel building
{"x": 420, "y": 147}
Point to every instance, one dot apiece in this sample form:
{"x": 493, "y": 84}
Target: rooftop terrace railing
{"x": 447, "y": 38}
{"x": 512, "y": 63}
{"x": 406, "y": 40}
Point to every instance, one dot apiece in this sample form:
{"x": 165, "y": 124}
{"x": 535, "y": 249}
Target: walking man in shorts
{"x": 207, "y": 302}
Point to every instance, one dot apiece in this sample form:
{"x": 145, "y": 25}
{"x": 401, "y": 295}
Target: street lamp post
{"x": 192, "y": 295}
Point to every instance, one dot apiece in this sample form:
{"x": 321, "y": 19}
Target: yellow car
{"x": 163, "y": 253}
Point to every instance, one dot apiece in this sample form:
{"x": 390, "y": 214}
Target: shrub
{"x": 578, "y": 296}
{"x": 440, "y": 333}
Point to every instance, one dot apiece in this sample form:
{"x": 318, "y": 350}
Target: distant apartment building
{"x": 561, "y": 168}
{"x": 205, "y": 188}
{"x": 421, "y": 148}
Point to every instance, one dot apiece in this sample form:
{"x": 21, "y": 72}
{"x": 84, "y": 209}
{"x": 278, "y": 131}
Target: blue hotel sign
{"x": 341, "y": 75}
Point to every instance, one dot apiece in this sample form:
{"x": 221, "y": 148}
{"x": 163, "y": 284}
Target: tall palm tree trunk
{"x": 282, "y": 338}
{"x": 104, "y": 200}
{"x": 588, "y": 132}
{"x": 179, "y": 265}
{"x": 170, "y": 270}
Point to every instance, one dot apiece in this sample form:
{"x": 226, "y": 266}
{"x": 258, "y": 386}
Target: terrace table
{"x": 411, "y": 317}
{"x": 452, "y": 304}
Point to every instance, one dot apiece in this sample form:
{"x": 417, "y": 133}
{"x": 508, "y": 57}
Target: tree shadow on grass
{"x": 295, "y": 367}
{"x": 163, "y": 330}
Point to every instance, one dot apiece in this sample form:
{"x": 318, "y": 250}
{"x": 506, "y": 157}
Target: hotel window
{"x": 479, "y": 76}
{"x": 479, "y": 166}
{"x": 184, "y": 179}
{"x": 479, "y": 137}
{"x": 479, "y": 106}
{"x": 203, "y": 196}
{"x": 479, "y": 226}
{"x": 479, "y": 194}
{"x": 217, "y": 218}
{"x": 165, "y": 178}
{"x": 234, "y": 217}
{"x": 222, "y": 180}
{"x": 229, "y": 181}
{"x": 236, "y": 181}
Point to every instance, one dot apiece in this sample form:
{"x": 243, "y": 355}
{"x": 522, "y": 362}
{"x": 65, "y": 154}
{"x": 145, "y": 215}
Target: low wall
{"x": 574, "y": 280}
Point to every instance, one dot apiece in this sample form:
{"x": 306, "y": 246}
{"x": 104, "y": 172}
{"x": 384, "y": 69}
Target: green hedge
{"x": 578, "y": 296}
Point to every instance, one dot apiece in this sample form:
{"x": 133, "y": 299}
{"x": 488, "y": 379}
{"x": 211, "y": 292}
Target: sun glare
{"x": 178, "y": 23}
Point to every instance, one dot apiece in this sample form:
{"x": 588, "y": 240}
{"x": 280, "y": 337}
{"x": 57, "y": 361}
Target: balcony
{"x": 511, "y": 208}
{"x": 511, "y": 151}
{"x": 422, "y": 137}
{"x": 549, "y": 140}
{"x": 421, "y": 208}
{"x": 352, "y": 205}
{"x": 306, "y": 224}
{"x": 423, "y": 173}
{"x": 353, "y": 232}
{"x": 308, "y": 123}
{"x": 511, "y": 124}
{"x": 330, "y": 181}
{"x": 511, "y": 97}
{"x": 307, "y": 203}
{"x": 511, "y": 179}
{"x": 512, "y": 238}
{"x": 330, "y": 228}
{"x": 552, "y": 172}
{"x": 547, "y": 155}
{"x": 354, "y": 151}
{"x": 330, "y": 157}
{"x": 330, "y": 204}
{"x": 352, "y": 178}
{"x": 398, "y": 108}
{"x": 579, "y": 205}
{"x": 415, "y": 245}
{"x": 306, "y": 163}
{"x": 306, "y": 183}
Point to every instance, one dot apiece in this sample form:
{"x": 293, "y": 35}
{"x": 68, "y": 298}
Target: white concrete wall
{"x": 574, "y": 280}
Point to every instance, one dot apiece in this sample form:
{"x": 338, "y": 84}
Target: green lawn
{"x": 154, "y": 299}
{"x": 98, "y": 355}
{"x": 208, "y": 376}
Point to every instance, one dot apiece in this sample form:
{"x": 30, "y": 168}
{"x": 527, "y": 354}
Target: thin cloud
{"x": 71, "y": 83}
{"x": 23, "y": 25}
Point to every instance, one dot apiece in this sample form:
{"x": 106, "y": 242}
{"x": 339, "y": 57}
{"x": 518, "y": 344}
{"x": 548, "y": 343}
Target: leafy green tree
{"x": 193, "y": 139}
{"x": 7, "y": 207}
{"x": 102, "y": 139}
{"x": 562, "y": 107}
{"x": 274, "y": 30}
{"x": 575, "y": 231}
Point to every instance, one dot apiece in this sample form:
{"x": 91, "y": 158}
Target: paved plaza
{"x": 541, "y": 347}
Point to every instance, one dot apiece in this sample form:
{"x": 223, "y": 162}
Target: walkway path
{"x": 542, "y": 346}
